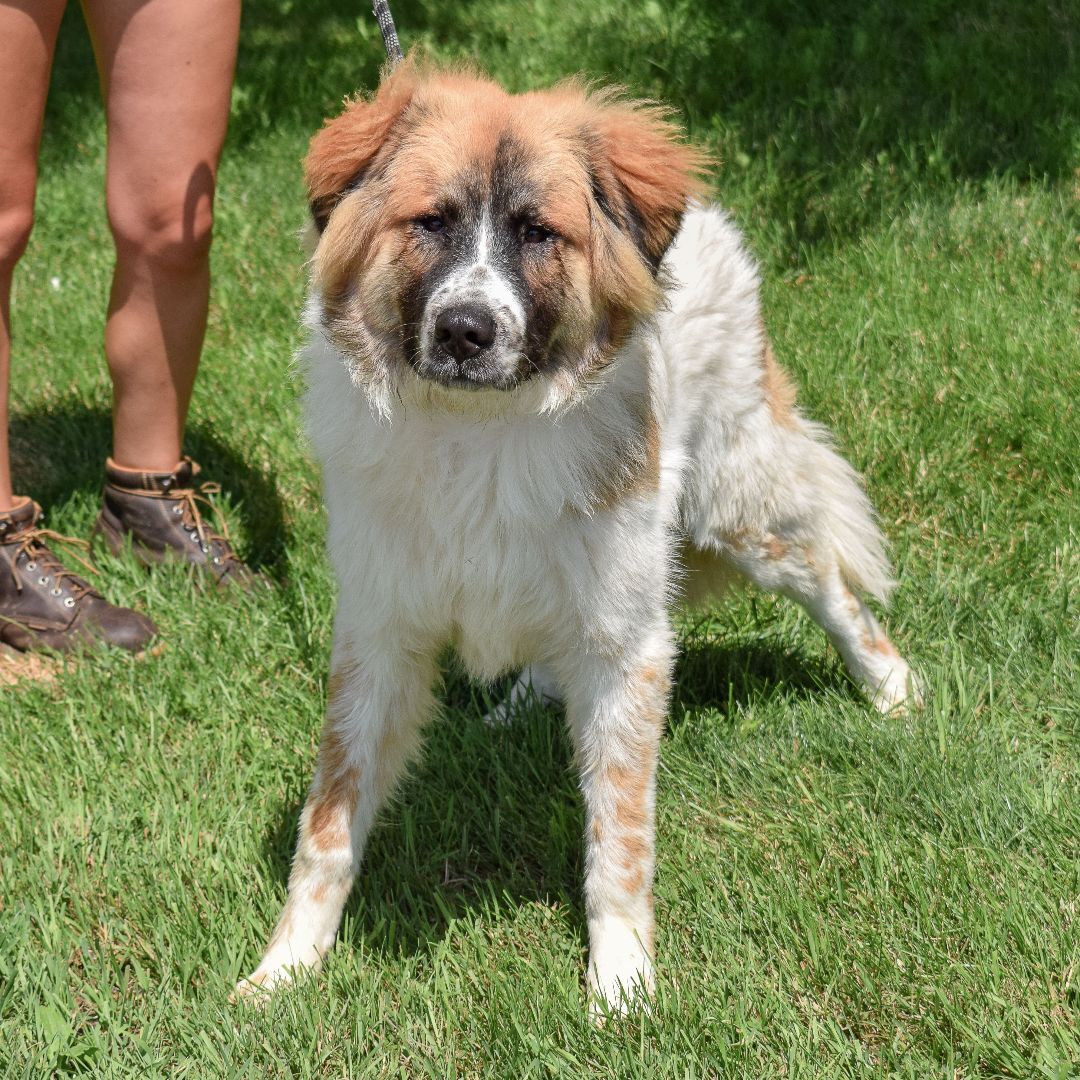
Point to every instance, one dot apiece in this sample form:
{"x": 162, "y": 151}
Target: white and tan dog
{"x": 539, "y": 388}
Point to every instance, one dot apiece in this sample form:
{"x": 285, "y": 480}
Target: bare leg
{"x": 616, "y": 714}
{"x": 27, "y": 38}
{"x": 377, "y": 704}
{"x": 166, "y": 70}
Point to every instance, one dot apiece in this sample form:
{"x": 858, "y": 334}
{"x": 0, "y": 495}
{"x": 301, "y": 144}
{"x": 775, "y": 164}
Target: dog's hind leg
{"x": 784, "y": 509}
{"x": 377, "y": 703}
{"x": 813, "y": 579}
{"x": 535, "y": 683}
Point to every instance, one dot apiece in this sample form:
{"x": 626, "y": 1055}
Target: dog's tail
{"x": 846, "y": 523}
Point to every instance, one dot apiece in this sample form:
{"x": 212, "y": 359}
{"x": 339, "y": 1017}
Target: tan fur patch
{"x": 333, "y": 749}
{"x": 634, "y": 468}
{"x": 386, "y": 759}
{"x": 775, "y": 548}
{"x": 653, "y": 675}
{"x": 332, "y": 810}
{"x": 884, "y": 647}
{"x": 635, "y": 855}
{"x": 336, "y": 687}
{"x": 635, "y": 850}
{"x": 738, "y": 541}
{"x": 778, "y": 389}
{"x": 634, "y": 877}
{"x": 631, "y": 821}
{"x": 630, "y": 787}
{"x": 652, "y": 451}
{"x": 853, "y": 605}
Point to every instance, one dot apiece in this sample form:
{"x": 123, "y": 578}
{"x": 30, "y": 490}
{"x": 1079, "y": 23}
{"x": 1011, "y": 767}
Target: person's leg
{"x": 27, "y": 37}
{"x": 43, "y": 604}
{"x": 166, "y": 71}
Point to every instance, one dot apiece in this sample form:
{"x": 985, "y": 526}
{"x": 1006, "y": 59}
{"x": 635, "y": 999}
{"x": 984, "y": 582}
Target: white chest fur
{"x": 478, "y": 529}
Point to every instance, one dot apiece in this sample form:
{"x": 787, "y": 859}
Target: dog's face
{"x": 482, "y": 240}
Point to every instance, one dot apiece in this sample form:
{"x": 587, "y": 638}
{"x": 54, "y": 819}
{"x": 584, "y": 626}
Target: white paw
{"x": 620, "y": 972}
{"x": 280, "y": 966}
{"x": 531, "y": 687}
{"x": 259, "y": 986}
{"x": 898, "y": 690}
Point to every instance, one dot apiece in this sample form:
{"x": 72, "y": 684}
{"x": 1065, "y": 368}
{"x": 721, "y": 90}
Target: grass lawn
{"x": 838, "y": 894}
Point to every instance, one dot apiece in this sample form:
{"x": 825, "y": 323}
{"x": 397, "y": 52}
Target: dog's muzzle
{"x": 472, "y": 332}
{"x": 466, "y": 345}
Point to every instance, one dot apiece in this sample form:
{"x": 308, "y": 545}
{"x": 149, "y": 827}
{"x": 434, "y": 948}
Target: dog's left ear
{"x": 644, "y": 173}
{"x": 346, "y": 146}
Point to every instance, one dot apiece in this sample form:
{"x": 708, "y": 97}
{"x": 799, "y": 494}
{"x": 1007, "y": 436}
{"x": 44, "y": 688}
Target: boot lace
{"x": 189, "y": 500}
{"x": 34, "y": 544}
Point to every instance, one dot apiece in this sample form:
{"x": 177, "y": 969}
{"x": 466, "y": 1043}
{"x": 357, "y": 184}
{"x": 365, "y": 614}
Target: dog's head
{"x": 483, "y": 240}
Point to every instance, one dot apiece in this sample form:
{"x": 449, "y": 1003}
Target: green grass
{"x": 838, "y": 894}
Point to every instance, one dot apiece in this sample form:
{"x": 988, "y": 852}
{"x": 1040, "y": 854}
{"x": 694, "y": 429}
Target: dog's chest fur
{"x": 506, "y": 535}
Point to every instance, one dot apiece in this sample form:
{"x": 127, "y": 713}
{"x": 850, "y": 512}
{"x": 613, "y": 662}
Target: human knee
{"x": 171, "y": 233}
{"x": 16, "y": 224}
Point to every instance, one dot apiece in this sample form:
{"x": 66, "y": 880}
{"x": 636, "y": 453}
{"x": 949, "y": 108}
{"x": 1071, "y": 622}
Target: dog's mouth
{"x": 467, "y": 346}
{"x": 470, "y": 374}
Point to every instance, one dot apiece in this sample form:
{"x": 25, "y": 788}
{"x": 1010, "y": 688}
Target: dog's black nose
{"x": 464, "y": 331}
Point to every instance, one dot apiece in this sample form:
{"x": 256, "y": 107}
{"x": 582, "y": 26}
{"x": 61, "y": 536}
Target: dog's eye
{"x": 432, "y": 223}
{"x": 536, "y": 234}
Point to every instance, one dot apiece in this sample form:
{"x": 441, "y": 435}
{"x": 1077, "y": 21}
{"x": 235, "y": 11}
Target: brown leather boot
{"x": 160, "y": 512}
{"x": 45, "y": 605}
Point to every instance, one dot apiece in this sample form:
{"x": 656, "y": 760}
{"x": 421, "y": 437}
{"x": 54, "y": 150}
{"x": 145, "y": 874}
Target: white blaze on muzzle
{"x": 478, "y": 285}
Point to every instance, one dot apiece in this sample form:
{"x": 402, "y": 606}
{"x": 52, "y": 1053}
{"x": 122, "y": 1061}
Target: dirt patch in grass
{"x": 17, "y": 667}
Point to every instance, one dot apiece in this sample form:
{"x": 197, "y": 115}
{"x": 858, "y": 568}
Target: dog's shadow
{"x": 491, "y": 816}
{"x": 58, "y": 450}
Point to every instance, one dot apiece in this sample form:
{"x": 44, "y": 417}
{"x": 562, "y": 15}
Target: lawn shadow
{"x": 487, "y": 817}
{"x": 731, "y": 677}
{"x": 492, "y": 815}
{"x": 963, "y": 90}
{"x": 58, "y": 450}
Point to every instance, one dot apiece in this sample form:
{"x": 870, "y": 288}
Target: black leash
{"x": 385, "y": 20}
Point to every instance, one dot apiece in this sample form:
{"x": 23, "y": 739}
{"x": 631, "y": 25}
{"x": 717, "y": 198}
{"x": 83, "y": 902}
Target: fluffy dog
{"x": 542, "y": 397}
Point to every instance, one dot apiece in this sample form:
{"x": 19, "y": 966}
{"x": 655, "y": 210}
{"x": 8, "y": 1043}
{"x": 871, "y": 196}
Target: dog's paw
{"x": 532, "y": 687}
{"x": 620, "y": 975}
{"x": 259, "y": 986}
{"x": 900, "y": 690}
{"x": 617, "y": 995}
{"x": 265, "y": 981}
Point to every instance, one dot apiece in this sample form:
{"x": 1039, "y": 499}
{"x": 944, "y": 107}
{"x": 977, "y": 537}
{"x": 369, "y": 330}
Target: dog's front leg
{"x": 616, "y": 712}
{"x": 377, "y": 702}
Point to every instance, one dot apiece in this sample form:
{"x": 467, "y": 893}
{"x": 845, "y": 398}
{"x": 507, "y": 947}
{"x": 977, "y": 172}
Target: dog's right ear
{"x": 345, "y": 147}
